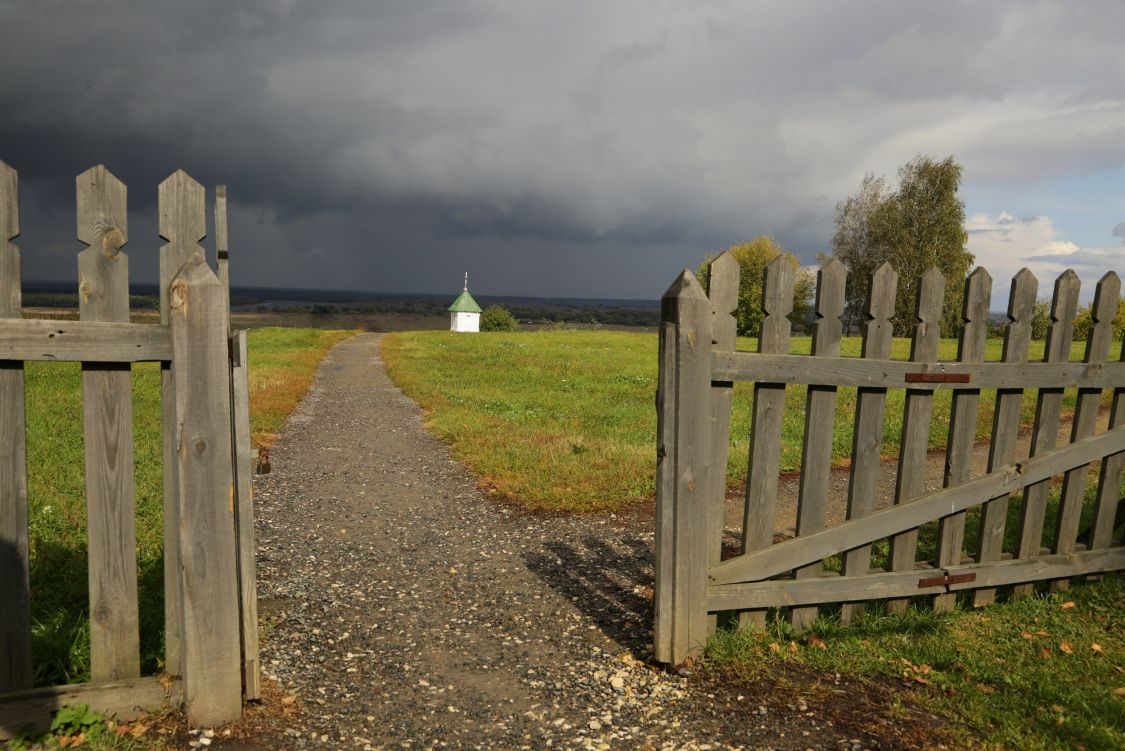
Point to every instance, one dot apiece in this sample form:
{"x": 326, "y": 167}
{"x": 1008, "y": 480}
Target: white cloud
{"x": 1004, "y": 244}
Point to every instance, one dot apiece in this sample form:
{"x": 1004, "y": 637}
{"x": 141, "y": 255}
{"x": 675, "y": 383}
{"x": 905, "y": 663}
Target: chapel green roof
{"x": 464, "y": 304}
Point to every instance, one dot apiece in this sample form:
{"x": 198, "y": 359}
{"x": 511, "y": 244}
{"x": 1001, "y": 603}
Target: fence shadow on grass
{"x": 610, "y": 584}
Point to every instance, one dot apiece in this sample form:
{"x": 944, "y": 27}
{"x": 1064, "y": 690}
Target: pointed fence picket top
{"x": 180, "y": 205}
{"x": 107, "y": 409}
{"x": 867, "y": 440}
{"x": 1006, "y": 422}
{"x": 918, "y": 410}
{"x": 1048, "y": 408}
{"x": 1098, "y": 339}
{"x": 820, "y": 415}
{"x": 963, "y": 422}
{"x": 211, "y": 649}
{"x": 723, "y": 278}
{"x": 15, "y": 625}
{"x": 683, "y": 463}
{"x": 769, "y": 405}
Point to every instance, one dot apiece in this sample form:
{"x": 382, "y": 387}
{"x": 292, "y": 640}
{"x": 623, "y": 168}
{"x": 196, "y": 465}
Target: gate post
{"x": 683, "y": 465}
{"x": 210, "y": 633}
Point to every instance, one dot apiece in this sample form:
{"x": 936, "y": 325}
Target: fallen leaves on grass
{"x": 1064, "y": 646}
{"x": 1067, "y": 605}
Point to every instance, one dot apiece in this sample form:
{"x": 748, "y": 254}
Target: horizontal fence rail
{"x": 697, "y": 576}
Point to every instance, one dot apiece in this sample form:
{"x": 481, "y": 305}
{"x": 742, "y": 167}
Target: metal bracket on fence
{"x": 938, "y": 377}
{"x": 945, "y": 580}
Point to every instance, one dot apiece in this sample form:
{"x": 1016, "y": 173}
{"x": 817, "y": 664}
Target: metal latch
{"x": 938, "y": 378}
{"x": 946, "y": 580}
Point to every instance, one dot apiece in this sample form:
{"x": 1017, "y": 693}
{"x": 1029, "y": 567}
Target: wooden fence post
{"x": 870, "y": 407}
{"x": 211, "y": 644}
{"x": 15, "y": 625}
{"x": 107, "y": 411}
{"x": 244, "y": 515}
{"x": 1006, "y": 423}
{"x": 683, "y": 463}
{"x": 765, "y": 430}
{"x": 222, "y": 245}
{"x": 1048, "y": 406}
{"x": 1103, "y": 310}
{"x": 915, "y": 446}
{"x": 723, "y": 293}
{"x": 182, "y": 224}
{"x": 1109, "y": 482}
{"x": 820, "y": 416}
{"x": 963, "y": 424}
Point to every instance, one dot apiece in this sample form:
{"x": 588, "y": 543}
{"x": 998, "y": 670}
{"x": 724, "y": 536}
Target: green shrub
{"x": 497, "y": 318}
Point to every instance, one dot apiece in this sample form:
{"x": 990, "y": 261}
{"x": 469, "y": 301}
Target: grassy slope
{"x": 565, "y": 420}
{"x": 282, "y": 363}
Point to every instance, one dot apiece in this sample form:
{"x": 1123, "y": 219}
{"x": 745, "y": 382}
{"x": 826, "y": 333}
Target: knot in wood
{"x": 177, "y": 296}
{"x": 112, "y": 241}
{"x": 199, "y": 443}
{"x": 101, "y": 614}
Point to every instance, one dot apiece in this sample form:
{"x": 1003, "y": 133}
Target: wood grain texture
{"x": 33, "y": 710}
{"x": 664, "y": 559}
{"x": 1006, "y": 422}
{"x": 107, "y": 410}
{"x": 182, "y": 221}
{"x": 1048, "y": 407}
{"x": 904, "y": 584}
{"x": 917, "y": 413}
{"x": 765, "y": 421}
{"x": 83, "y": 341}
{"x": 723, "y": 294}
{"x": 244, "y": 518}
{"x": 867, "y": 440}
{"x": 222, "y": 245}
{"x": 820, "y": 416}
{"x": 15, "y": 623}
{"x": 963, "y": 423}
{"x": 1108, "y": 498}
{"x": 1102, "y": 310}
{"x": 780, "y": 558}
{"x": 211, "y": 649}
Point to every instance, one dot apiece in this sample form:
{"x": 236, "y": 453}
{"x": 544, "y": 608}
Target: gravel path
{"x": 401, "y": 609}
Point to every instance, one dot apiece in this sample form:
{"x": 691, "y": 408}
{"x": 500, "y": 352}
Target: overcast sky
{"x": 587, "y": 149}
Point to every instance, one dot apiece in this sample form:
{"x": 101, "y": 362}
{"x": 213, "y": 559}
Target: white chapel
{"x": 464, "y": 313}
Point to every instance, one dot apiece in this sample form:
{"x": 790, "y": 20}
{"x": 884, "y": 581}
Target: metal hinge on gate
{"x": 945, "y": 580}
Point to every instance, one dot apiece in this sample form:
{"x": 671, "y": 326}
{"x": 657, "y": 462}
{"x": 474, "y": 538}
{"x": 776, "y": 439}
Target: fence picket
{"x": 1006, "y": 423}
{"x": 963, "y": 424}
{"x": 15, "y": 625}
{"x": 222, "y": 245}
{"x": 918, "y": 411}
{"x": 244, "y": 516}
{"x": 765, "y": 430}
{"x": 1048, "y": 406}
{"x": 1108, "y": 501}
{"x": 867, "y": 442}
{"x": 182, "y": 224}
{"x": 107, "y": 411}
{"x": 211, "y": 650}
{"x": 1103, "y": 310}
{"x": 820, "y": 415}
{"x": 723, "y": 293}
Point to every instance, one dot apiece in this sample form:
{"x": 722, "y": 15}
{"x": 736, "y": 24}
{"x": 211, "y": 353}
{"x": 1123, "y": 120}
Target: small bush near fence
{"x": 497, "y": 318}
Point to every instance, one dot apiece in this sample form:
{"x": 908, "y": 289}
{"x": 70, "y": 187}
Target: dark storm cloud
{"x": 550, "y": 148}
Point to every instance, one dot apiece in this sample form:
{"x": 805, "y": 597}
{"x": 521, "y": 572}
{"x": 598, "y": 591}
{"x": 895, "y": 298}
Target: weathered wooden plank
{"x": 83, "y": 341}
{"x": 918, "y": 410}
{"x": 211, "y": 644}
{"x": 180, "y": 205}
{"x": 222, "y": 245}
{"x": 852, "y": 371}
{"x": 32, "y": 710}
{"x": 1102, "y": 311}
{"x": 1048, "y": 407}
{"x": 780, "y": 558}
{"x": 244, "y": 517}
{"x": 820, "y": 415}
{"x": 1006, "y": 422}
{"x": 107, "y": 411}
{"x": 904, "y": 584}
{"x": 867, "y": 440}
{"x": 963, "y": 423}
{"x": 1109, "y": 482}
{"x": 723, "y": 293}
{"x": 769, "y": 406}
{"x": 664, "y": 560}
{"x": 15, "y": 624}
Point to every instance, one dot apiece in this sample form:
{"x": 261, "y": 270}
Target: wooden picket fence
{"x": 211, "y": 657}
{"x": 695, "y": 580}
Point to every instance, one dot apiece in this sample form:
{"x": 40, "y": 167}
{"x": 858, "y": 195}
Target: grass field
{"x": 565, "y": 419}
{"x": 282, "y": 363}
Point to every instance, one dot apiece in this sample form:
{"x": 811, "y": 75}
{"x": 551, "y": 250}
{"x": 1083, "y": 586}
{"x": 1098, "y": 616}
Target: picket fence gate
{"x": 211, "y": 647}
{"x": 698, "y": 368}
